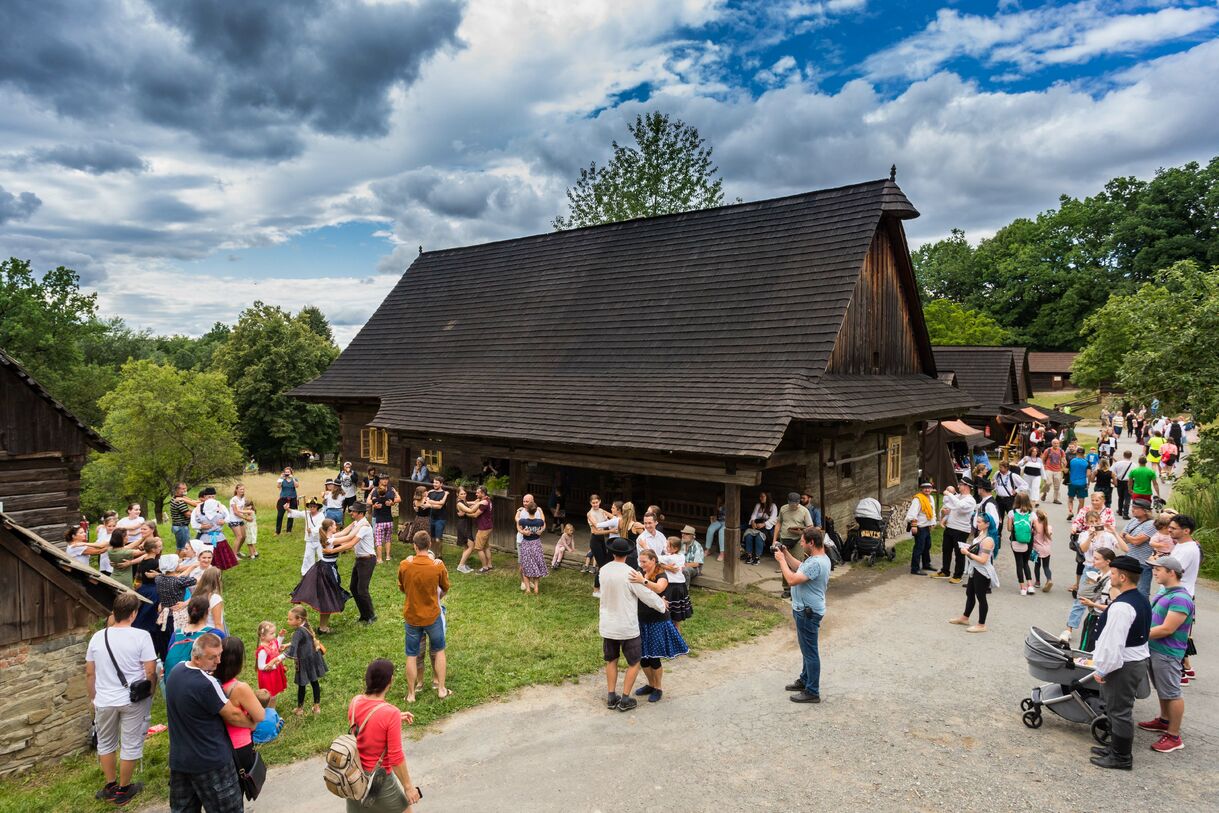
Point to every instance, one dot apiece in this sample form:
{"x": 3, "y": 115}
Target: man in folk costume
{"x": 921, "y": 518}
{"x": 312, "y": 516}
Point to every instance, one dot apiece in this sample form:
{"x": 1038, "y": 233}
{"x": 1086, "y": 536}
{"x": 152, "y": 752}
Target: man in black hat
{"x": 209, "y": 516}
{"x": 622, "y": 590}
{"x": 957, "y": 518}
{"x": 920, "y": 518}
{"x": 1120, "y": 659}
{"x": 366, "y": 559}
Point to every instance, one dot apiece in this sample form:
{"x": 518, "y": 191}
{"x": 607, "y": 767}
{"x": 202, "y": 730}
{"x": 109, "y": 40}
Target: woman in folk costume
{"x": 312, "y": 517}
{"x": 920, "y": 519}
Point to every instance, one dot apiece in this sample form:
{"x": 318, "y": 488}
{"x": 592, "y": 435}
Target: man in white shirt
{"x": 651, "y": 538}
{"x": 1121, "y": 475}
{"x": 1007, "y": 485}
{"x": 366, "y": 559}
{"x": 920, "y": 519}
{"x": 956, "y": 517}
{"x": 1120, "y": 660}
{"x": 1186, "y": 550}
{"x": 312, "y": 518}
{"x": 622, "y": 589}
{"x": 120, "y": 723}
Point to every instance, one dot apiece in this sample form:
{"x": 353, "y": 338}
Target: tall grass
{"x": 1200, "y": 499}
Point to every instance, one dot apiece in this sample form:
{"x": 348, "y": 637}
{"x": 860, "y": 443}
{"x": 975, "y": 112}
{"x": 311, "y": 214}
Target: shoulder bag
{"x": 136, "y": 690}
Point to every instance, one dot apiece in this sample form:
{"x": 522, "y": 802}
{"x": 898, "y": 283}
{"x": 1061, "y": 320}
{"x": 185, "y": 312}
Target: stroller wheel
{"x": 1100, "y": 730}
{"x": 1026, "y": 704}
{"x": 1032, "y": 719}
{"x": 871, "y": 559}
{"x": 890, "y": 554}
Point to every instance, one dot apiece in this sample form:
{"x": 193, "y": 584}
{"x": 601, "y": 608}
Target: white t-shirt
{"x": 331, "y": 501}
{"x": 212, "y": 601}
{"x": 236, "y": 506}
{"x": 654, "y": 540}
{"x": 1190, "y": 557}
{"x": 103, "y": 538}
{"x": 674, "y": 576}
{"x": 365, "y": 546}
{"x": 348, "y": 483}
{"x": 132, "y": 648}
{"x": 77, "y": 552}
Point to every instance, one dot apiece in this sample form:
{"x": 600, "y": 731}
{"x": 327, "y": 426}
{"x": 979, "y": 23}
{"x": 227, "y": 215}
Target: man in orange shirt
{"x": 424, "y": 580}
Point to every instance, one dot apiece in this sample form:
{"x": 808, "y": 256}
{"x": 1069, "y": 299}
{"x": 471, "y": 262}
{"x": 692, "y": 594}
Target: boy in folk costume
{"x": 920, "y": 517}
{"x": 312, "y": 517}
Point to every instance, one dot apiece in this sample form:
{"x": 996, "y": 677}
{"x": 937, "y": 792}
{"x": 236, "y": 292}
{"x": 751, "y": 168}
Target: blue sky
{"x": 299, "y": 153}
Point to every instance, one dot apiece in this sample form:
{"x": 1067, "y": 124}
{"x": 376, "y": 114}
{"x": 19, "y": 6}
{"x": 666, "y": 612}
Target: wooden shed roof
{"x": 92, "y": 438}
{"x": 705, "y": 332}
{"x": 986, "y": 373}
{"x": 1053, "y": 362}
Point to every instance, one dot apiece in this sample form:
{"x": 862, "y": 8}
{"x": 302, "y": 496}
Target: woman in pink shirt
{"x": 378, "y": 725}
{"x": 232, "y": 657}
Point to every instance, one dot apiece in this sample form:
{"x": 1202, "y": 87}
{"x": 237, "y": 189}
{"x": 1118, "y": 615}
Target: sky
{"x": 188, "y": 159}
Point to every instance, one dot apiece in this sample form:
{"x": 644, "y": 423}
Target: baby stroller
{"x": 866, "y": 537}
{"x": 1071, "y": 691}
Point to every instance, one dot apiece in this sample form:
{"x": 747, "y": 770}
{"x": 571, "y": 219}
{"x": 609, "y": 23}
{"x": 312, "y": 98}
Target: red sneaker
{"x": 1167, "y": 744}
{"x": 1158, "y": 724}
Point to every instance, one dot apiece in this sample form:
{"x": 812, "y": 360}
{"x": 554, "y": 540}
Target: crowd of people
{"x": 1136, "y": 561}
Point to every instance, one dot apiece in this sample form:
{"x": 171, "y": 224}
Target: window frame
{"x": 893, "y": 460}
{"x": 374, "y": 445}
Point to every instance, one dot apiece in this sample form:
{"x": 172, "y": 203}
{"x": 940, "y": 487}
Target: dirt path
{"x": 918, "y": 715}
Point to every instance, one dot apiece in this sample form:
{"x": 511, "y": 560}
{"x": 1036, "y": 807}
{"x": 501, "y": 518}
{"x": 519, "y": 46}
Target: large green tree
{"x": 1162, "y": 341}
{"x": 268, "y": 352}
{"x": 1041, "y": 277}
{"x": 951, "y": 324}
{"x": 165, "y": 426}
{"x": 667, "y": 170}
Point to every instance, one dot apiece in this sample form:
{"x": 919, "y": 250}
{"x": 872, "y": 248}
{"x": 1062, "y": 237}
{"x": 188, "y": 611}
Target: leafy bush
{"x": 1200, "y": 499}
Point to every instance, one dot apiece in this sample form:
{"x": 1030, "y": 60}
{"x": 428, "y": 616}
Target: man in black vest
{"x": 1121, "y": 658}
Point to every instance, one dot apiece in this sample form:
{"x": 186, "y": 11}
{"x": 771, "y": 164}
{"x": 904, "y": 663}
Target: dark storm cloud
{"x": 244, "y": 78}
{"x": 96, "y": 159}
{"x": 17, "y": 206}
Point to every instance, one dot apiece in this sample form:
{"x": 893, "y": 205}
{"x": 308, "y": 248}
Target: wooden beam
{"x": 864, "y": 456}
{"x": 821, "y": 477}
{"x": 45, "y": 569}
{"x": 792, "y": 457}
{"x": 732, "y": 530}
{"x": 516, "y": 478}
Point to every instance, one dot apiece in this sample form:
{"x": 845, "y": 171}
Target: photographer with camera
{"x": 807, "y": 581}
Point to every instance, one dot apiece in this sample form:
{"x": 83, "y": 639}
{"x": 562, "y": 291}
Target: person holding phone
{"x": 287, "y": 483}
{"x": 980, "y": 575}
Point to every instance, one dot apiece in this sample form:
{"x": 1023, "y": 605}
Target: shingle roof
{"x": 1051, "y": 362}
{"x": 988, "y": 374}
{"x": 699, "y": 332}
{"x": 92, "y": 438}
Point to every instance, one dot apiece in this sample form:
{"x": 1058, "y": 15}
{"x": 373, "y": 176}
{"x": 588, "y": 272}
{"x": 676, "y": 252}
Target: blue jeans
{"x": 181, "y": 536}
{"x": 714, "y": 530}
{"x": 753, "y": 542}
{"x": 806, "y": 635}
{"x": 1145, "y": 580}
{"x": 437, "y": 528}
{"x": 920, "y": 558}
{"x": 1078, "y": 611}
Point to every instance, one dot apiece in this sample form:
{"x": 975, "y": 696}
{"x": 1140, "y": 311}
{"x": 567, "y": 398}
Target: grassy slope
{"x": 500, "y": 640}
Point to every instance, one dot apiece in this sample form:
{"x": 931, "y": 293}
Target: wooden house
{"x": 48, "y": 606}
{"x": 1051, "y": 371}
{"x": 42, "y": 450}
{"x": 679, "y": 361}
{"x": 995, "y": 377}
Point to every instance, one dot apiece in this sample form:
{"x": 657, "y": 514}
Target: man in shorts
{"x": 424, "y": 580}
{"x": 1172, "y": 618}
{"x": 622, "y": 590}
{"x": 483, "y": 523}
{"x": 1077, "y": 481}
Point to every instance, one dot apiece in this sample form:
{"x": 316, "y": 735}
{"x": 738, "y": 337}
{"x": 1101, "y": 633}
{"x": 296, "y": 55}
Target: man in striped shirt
{"x": 1172, "y": 617}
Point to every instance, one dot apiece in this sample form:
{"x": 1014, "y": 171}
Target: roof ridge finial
{"x": 420, "y": 251}
{"x": 893, "y": 173}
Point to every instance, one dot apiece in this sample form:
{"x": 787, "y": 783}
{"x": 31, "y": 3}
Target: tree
{"x": 313, "y": 318}
{"x": 1162, "y": 342}
{"x": 946, "y": 269}
{"x": 269, "y": 352}
{"x": 668, "y": 170}
{"x": 166, "y": 426}
{"x": 951, "y": 324}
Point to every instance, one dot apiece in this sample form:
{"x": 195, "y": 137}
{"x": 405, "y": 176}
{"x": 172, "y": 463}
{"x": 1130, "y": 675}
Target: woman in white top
{"x": 76, "y": 542}
{"x": 210, "y": 585}
{"x": 104, "y": 531}
{"x": 131, "y": 524}
{"x": 237, "y": 517}
{"x": 1031, "y": 468}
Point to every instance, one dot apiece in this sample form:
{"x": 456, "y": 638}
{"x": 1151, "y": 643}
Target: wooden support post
{"x": 516, "y": 479}
{"x": 821, "y": 479}
{"x": 732, "y": 530}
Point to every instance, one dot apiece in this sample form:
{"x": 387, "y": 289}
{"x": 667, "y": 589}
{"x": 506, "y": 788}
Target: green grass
{"x": 499, "y": 640}
{"x": 904, "y": 548}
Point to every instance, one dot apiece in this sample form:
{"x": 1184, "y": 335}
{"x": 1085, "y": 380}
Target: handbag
{"x": 253, "y": 779}
{"x": 137, "y": 690}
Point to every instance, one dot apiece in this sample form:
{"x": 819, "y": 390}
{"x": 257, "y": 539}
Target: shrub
{"x": 1200, "y": 499}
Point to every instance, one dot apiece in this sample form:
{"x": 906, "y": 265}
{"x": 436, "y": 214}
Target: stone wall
{"x": 45, "y": 712}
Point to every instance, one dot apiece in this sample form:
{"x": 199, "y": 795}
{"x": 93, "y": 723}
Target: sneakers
{"x": 123, "y": 795}
{"x": 627, "y": 703}
{"x": 1184, "y": 682}
{"x": 976, "y": 628}
{"x": 1023, "y": 592}
{"x": 1047, "y": 587}
{"x": 939, "y": 574}
{"x": 106, "y": 794}
{"x": 1167, "y": 744}
{"x": 1158, "y": 724}
{"x": 1065, "y": 637}
{"x": 655, "y": 696}
{"x": 954, "y": 580}
{"x": 611, "y": 700}
{"x": 644, "y": 689}
{"x": 464, "y": 569}
{"x": 804, "y": 697}
{"x": 1191, "y": 674}
{"x": 795, "y": 686}
{"x": 596, "y": 594}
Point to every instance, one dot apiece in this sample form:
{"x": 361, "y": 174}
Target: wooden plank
{"x": 49, "y": 572}
{"x": 732, "y": 530}
{"x": 14, "y": 503}
{"x": 10, "y": 598}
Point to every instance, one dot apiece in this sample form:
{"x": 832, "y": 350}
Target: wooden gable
{"x": 36, "y": 598}
{"x": 883, "y": 330}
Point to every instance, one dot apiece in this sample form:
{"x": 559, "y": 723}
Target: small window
{"x": 434, "y": 458}
{"x": 845, "y": 471}
{"x": 374, "y": 445}
{"x": 893, "y": 456}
